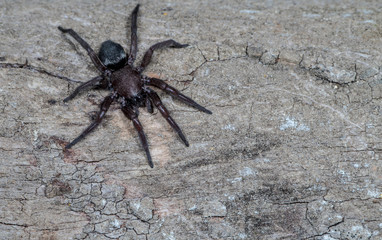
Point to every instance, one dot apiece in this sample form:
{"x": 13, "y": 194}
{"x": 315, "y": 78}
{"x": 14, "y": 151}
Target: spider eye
{"x": 112, "y": 55}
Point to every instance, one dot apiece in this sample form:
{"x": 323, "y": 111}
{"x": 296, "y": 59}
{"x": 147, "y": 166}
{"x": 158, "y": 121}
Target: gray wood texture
{"x": 292, "y": 150}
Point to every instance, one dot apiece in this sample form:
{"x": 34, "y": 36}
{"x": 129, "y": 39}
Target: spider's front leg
{"x": 163, "y": 110}
{"x": 104, "y": 107}
{"x": 149, "y": 105}
{"x": 133, "y": 116}
{"x": 174, "y": 92}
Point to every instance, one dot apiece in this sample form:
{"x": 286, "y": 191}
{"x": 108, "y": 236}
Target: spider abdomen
{"x": 127, "y": 83}
{"x": 112, "y": 55}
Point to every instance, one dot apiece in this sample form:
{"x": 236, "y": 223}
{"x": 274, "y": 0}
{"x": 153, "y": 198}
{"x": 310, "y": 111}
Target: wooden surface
{"x": 291, "y": 151}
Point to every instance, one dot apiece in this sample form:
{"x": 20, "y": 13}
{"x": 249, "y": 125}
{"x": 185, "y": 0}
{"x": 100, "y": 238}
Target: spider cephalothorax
{"x": 127, "y": 84}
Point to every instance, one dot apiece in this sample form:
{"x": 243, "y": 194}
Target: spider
{"x": 127, "y": 84}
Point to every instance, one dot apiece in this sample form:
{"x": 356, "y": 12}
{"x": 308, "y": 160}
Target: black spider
{"x": 127, "y": 84}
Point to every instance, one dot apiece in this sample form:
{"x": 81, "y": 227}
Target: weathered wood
{"x": 291, "y": 151}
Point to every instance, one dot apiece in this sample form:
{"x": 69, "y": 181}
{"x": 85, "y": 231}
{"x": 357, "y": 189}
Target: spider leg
{"x": 134, "y": 38}
{"x": 163, "y": 110}
{"x": 104, "y": 107}
{"x": 84, "y": 86}
{"x": 175, "y": 93}
{"x": 149, "y": 105}
{"x": 147, "y": 57}
{"x": 133, "y": 116}
{"x": 93, "y": 56}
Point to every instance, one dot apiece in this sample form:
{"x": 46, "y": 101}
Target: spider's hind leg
{"x": 134, "y": 38}
{"x": 169, "y": 43}
{"x": 93, "y": 56}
